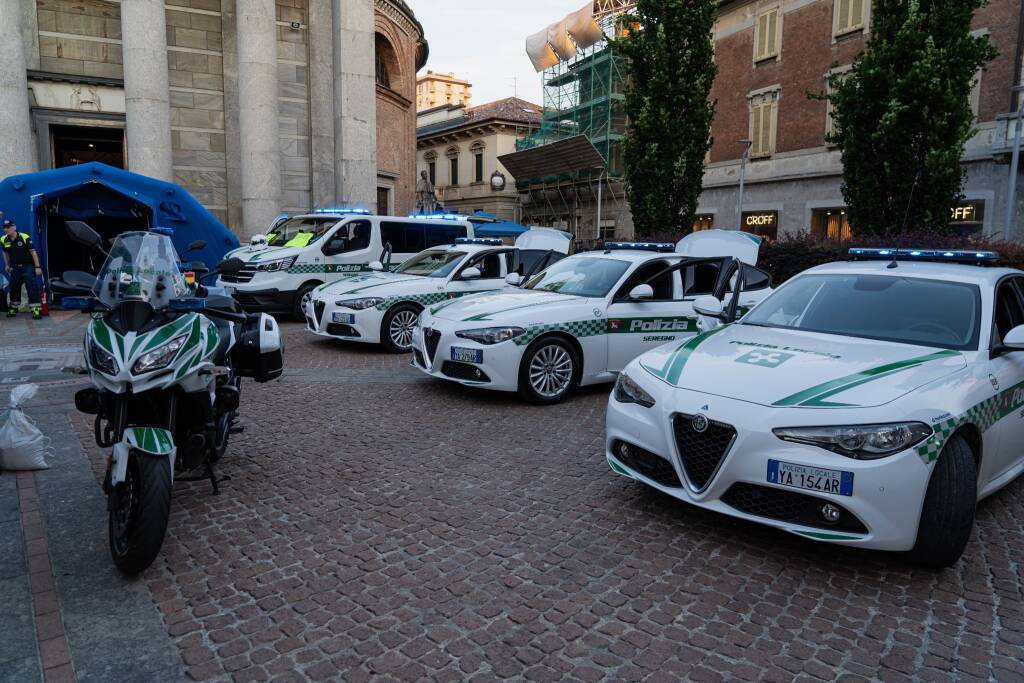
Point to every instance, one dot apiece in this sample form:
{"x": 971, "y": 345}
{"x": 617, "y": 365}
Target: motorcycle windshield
{"x": 142, "y": 266}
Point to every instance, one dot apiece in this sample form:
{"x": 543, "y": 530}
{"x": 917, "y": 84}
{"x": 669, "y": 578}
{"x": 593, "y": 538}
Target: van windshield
{"x": 298, "y": 232}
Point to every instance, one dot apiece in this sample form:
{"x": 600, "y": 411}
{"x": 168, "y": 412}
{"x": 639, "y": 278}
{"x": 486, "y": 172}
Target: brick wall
{"x": 396, "y": 116}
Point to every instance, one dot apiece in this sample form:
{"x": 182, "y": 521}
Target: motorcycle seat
{"x": 79, "y": 278}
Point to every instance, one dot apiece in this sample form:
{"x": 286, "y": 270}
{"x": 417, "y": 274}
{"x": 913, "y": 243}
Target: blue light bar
{"x": 160, "y": 230}
{"x": 937, "y": 255}
{"x": 191, "y": 304}
{"x": 641, "y": 246}
{"x": 486, "y": 241}
{"x": 438, "y": 216}
{"x": 361, "y": 212}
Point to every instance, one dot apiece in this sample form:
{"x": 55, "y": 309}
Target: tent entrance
{"x": 107, "y": 211}
{"x": 73, "y": 145}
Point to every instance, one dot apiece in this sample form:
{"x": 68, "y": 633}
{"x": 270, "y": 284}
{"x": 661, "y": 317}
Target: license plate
{"x": 347, "y": 318}
{"x": 467, "y": 355}
{"x": 810, "y": 478}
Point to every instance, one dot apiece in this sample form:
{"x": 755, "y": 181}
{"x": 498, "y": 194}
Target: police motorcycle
{"x": 166, "y": 361}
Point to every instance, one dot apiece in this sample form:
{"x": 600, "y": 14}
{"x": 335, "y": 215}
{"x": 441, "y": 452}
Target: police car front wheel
{"x": 396, "y": 328}
{"x": 947, "y": 516}
{"x": 549, "y": 371}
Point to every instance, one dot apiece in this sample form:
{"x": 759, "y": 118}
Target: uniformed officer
{"x": 22, "y": 262}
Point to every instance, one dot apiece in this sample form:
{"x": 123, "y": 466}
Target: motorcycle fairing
{"x": 150, "y": 440}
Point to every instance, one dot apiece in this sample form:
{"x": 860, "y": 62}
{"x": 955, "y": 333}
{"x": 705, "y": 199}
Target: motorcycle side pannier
{"x": 259, "y": 353}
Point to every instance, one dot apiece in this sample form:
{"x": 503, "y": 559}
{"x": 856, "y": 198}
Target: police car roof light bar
{"x": 640, "y": 246}
{"x": 936, "y": 255}
{"x": 487, "y": 241}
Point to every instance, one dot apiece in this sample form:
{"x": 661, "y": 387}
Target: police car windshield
{"x": 432, "y": 263}
{"x": 587, "y": 276}
{"x": 295, "y": 230}
{"x": 908, "y": 310}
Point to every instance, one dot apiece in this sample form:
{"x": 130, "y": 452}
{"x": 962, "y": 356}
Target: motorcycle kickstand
{"x": 214, "y": 481}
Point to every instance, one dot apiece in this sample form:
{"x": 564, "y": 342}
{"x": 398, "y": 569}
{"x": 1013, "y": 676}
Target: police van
{"x": 300, "y": 253}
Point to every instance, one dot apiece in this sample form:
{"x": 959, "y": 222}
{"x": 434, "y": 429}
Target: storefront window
{"x": 832, "y": 224}
{"x": 762, "y": 223}
{"x": 967, "y": 218}
{"x": 703, "y": 221}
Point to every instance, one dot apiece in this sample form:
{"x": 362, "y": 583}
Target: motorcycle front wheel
{"x": 137, "y": 520}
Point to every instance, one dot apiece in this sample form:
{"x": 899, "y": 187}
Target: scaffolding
{"x": 582, "y": 96}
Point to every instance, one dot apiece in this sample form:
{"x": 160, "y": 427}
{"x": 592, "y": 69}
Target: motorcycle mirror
{"x": 199, "y": 267}
{"x": 196, "y": 246}
{"x": 83, "y": 234}
{"x": 230, "y": 266}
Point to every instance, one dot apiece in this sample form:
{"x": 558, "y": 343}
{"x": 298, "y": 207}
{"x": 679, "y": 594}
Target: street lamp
{"x": 743, "y": 170}
{"x": 1011, "y": 191}
{"x": 497, "y": 181}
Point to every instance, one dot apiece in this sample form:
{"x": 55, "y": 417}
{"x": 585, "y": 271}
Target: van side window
{"x": 414, "y": 242}
{"x": 443, "y": 233}
{"x": 394, "y": 234}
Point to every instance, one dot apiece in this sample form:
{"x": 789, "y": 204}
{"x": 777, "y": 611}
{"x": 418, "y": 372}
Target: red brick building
{"x": 770, "y": 54}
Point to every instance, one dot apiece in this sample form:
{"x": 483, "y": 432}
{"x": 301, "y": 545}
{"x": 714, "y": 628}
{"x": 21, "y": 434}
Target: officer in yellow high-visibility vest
{"x": 22, "y": 263}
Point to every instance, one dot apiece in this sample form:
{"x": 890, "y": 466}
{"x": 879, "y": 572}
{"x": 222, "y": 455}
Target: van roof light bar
{"x": 361, "y": 212}
{"x": 439, "y": 216}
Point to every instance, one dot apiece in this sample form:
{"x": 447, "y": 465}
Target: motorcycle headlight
{"x": 360, "y": 304}
{"x": 279, "y": 264}
{"x": 628, "y": 391}
{"x": 862, "y": 442}
{"x": 101, "y": 359}
{"x": 491, "y": 335}
{"x": 159, "y": 357}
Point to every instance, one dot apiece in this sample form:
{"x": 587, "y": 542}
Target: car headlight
{"x": 491, "y": 335}
{"x": 159, "y": 357}
{"x": 101, "y": 359}
{"x": 862, "y": 442}
{"x": 279, "y": 264}
{"x": 628, "y": 391}
{"x": 360, "y": 304}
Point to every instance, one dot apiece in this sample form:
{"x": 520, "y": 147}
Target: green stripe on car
{"x": 673, "y": 367}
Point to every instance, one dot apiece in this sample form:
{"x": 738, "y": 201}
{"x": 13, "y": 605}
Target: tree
{"x": 670, "y": 67}
{"x": 902, "y": 114}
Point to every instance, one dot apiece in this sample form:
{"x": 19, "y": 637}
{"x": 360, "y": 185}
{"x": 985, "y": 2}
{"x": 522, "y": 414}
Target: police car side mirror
{"x": 709, "y": 306}
{"x": 641, "y": 292}
{"x": 376, "y": 265}
{"x": 513, "y": 279}
{"x": 1014, "y": 339}
{"x": 471, "y": 273}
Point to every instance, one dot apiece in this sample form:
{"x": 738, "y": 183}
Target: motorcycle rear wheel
{"x": 137, "y": 520}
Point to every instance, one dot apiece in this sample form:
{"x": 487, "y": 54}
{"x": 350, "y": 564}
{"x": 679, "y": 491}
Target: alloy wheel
{"x": 401, "y": 328}
{"x": 551, "y": 371}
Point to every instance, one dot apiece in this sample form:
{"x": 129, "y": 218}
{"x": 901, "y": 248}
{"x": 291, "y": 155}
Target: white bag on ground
{"x": 22, "y": 445}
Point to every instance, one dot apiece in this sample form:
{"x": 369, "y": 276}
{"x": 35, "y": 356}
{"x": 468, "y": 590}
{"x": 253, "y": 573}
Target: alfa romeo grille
{"x": 244, "y": 275}
{"x": 318, "y": 311}
{"x": 432, "y": 338}
{"x": 701, "y": 452}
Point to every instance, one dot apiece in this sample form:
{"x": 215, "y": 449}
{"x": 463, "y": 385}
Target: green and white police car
{"x": 584, "y": 318}
{"x": 301, "y": 253}
{"x": 382, "y": 306}
{"x": 869, "y": 403}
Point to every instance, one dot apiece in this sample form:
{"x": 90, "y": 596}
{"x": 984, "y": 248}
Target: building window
{"x": 607, "y": 230}
{"x": 703, "y": 221}
{"x": 453, "y": 165}
{"x": 478, "y": 167}
{"x": 432, "y": 172}
{"x": 837, "y": 74}
{"x": 383, "y": 201}
{"x": 763, "y": 120}
{"x": 762, "y": 223}
{"x": 766, "y": 35}
{"x": 386, "y": 63}
{"x": 849, "y": 16}
{"x": 832, "y": 224}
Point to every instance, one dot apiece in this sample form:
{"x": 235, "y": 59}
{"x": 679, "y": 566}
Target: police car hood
{"x": 262, "y": 255}
{"x": 786, "y": 368}
{"x": 379, "y": 284}
{"x": 516, "y": 307}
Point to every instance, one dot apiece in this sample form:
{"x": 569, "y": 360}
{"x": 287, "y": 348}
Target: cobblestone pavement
{"x": 382, "y": 525}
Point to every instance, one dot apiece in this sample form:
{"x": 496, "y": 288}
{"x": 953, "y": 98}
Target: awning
{"x": 561, "y": 40}
{"x": 557, "y": 158}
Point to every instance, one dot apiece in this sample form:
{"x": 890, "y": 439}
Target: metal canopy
{"x": 562, "y": 156}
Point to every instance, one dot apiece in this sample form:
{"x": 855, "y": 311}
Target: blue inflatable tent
{"x": 111, "y": 201}
{"x": 495, "y": 227}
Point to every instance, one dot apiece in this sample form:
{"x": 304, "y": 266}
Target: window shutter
{"x": 773, "y": 30}
{"x": 856, "y": 13}
{"x": 843, "y": 22}
{"x": 766, "y": 125}
{"x": 761, "y": 39}
{"x": 755, "y": 133}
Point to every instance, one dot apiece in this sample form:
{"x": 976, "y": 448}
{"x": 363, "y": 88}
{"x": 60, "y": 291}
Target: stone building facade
{"x": 459, "y": 147}
{"x": 256, "y": 107}
{"x": 770, "y": 54}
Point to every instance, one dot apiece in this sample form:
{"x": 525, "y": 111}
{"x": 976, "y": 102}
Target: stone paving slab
{"x": 19, "y": 660}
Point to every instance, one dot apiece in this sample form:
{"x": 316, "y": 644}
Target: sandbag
{"x": 22, "y": 445}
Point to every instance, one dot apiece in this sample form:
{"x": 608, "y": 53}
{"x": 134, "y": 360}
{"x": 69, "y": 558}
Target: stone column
{"x": 16, "y": 149}
{"x": 30, "y": 32}
{"x": 321, "y": 102}
{"x": 258, "y": 114}
{"x": 355, "y": 104}
{"x": 147, "y": 103}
